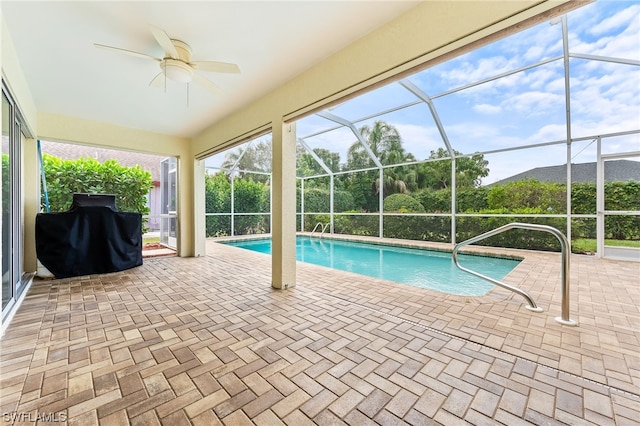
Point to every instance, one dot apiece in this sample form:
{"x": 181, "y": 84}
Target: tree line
{"x": 384, "y": 141}
{"x": 420, "y": 187}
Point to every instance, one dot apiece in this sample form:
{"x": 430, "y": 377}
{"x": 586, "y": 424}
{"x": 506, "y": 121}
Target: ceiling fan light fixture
{"x": 176, "y": 63}
{"x": 177, "y": 70}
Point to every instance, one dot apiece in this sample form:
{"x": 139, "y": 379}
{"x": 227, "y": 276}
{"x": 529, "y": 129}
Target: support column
{"x": 186, "y": 207}
{"x": 199, "y": 209}
{"x": 283, "y": 207}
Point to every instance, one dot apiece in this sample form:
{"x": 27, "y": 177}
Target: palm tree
{"x": 384, "y": 141}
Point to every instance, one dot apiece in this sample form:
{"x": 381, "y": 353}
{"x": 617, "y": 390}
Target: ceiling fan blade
{"x": 213, "y": 66}
{"x": 128, "y": 52}
{"x": 206, "y": 84}
{"x": 165, "y": 42}
{"x": 158, "y": 80}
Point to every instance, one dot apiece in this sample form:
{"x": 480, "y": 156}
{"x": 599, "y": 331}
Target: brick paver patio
{"x": 207, "y": 341}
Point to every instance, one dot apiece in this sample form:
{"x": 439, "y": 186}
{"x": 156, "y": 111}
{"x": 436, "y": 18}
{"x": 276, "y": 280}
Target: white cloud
{"x": 336, "y": 141}
{"x": 533, "y": 53}
{"x": 466, "y": 72}
{"x": 549, "y": 133}
{"x": 556, "y": 85}
{"x": 487, "y": 109}
{"x": 534, "y": 103}
{"x": 468, "y": 137}
{"x": 618, "y": 36}
{"x": 623, "y": 18}
{"x": 605, "y": 98}
{"x": 419, "y": 140}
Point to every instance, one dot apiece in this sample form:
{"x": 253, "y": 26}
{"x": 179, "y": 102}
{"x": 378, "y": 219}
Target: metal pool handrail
{"x": 322, "y": 226}
{"x": 564, "y": 274}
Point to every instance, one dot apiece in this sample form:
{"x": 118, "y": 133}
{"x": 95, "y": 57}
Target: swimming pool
{"x": 430, "y": 269}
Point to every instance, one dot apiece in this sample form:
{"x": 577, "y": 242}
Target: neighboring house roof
{"x": 67, "y": 151}
{"x": 614, "y": 171}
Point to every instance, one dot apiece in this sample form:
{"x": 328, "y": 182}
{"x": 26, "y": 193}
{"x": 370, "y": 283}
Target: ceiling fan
{"x": 176, "y": 64}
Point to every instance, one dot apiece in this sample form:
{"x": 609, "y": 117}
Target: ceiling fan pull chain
{"x": 164, "y": 73}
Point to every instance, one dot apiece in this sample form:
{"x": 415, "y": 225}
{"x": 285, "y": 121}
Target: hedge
{"x": 366, "y": 225}
{"x": 438, "y": 201}
{"x": 317, "y": 200}
{"x": 248, "y": 197}
{"x": 468, "y": 227}
{"x": 402, "y": 203}
{"x": 550, "y": 197}
{"x": 130, "y": 185}
{"x": 534, "y": 197}
{"x": 527, "y": 197}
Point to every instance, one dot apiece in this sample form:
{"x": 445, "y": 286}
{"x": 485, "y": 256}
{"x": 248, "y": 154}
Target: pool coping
{"x": 520, "y": 254}
{"x": 517, "y": 277}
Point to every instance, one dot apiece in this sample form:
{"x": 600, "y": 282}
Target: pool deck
{"x": 208, "y": 341}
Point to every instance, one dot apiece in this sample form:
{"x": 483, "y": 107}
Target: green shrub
{"x": 583, "y": 198}
{"x": 467, "y": 200}
{"x": 249, "y": 196}
{"x": 472, "y": 199}
{"x": 402, "y": 203}
{"x": 421, "y": 228}
{"x": 583, "y": 227}
{"x": 409, "y": 227}
{"x": 623, "y": 196}
{"x": 130, "y": 185}
{"x": 618, "y": 196}
{"x": 218, "y": 200}
{"x": 549, "y": 197}
{"x": 468, "y": 227}
{"x": 311, "y": 220}
{"x": 435, "y": 201}
{"x": 217, "y": 193}
{"x": 318, "y": 200}
{"x": 367, "y": 225}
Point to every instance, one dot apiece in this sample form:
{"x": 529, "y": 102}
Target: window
{"x": 12, "y": 284}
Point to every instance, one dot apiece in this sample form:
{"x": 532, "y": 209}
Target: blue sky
{"x": 522, "y": 109}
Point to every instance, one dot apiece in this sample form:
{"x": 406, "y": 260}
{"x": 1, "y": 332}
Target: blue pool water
{"x": 421, "y": 268}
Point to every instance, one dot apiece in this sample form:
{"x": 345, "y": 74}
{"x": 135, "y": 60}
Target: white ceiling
{"x": 271, "y": 41}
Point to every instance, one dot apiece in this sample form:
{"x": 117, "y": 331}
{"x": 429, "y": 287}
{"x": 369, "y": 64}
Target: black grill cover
{"x": 88, "y": 240}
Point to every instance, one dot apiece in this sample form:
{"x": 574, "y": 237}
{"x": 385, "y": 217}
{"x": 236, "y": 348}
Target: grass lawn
{"x": 146, "y": 240}
{"x": 589, "y": 245}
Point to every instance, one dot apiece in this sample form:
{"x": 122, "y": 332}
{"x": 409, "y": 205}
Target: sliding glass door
{"x": 168, "y": 199}
{"x": 10, "y": 204}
